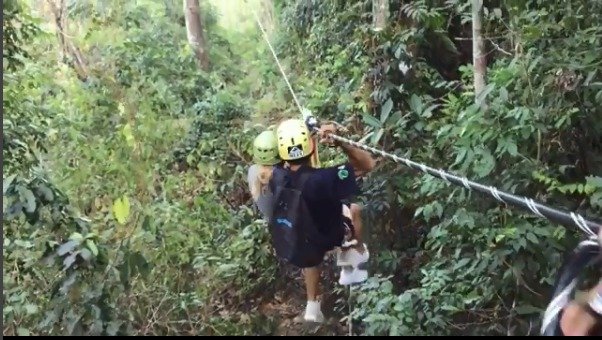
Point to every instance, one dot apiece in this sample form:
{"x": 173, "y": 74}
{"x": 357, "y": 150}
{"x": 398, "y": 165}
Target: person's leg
{"x": 313, "y": 310}
{"x": 312, "y": 282}
{"x": 356, "y": 220}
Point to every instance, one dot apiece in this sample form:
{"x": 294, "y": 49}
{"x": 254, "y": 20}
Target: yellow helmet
{"x": 294, "y": 140}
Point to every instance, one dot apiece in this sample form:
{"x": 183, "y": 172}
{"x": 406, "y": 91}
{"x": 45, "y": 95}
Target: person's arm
{"x": 361, "y": 161}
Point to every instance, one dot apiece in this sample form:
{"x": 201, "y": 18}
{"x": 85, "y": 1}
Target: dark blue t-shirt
{"x": 324, "y": 193}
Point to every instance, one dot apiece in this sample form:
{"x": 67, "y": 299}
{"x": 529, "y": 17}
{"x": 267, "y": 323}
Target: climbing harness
{"x": 584, "y": 253}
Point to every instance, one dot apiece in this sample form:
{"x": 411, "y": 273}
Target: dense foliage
{"x": 125, "y": 205}
{"x": 102, "y": 233}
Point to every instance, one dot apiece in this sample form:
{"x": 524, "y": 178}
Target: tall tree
{"x": 196, "y": 36}
{"x": 380, "y": 12}
{"x": 71, "y": 54}
{"x": 478, "y": 50}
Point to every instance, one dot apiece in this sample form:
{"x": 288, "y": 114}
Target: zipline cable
{"x": 290, "y": 87}
{"x": 554, "y": 215}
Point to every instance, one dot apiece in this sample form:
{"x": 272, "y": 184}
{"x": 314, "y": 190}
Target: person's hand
{"x": 325, "y": 132}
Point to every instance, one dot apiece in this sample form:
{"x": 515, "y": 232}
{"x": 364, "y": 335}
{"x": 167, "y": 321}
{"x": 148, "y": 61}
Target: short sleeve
{"x": 335, "y": 183}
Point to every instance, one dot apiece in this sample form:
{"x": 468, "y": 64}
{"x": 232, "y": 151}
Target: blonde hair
{"x": 259, "y": 185}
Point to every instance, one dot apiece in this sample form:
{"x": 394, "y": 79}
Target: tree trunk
{"x": 71, "y": 55}
{"x": 478, "y": 50}
{"x": 380, "y": 13}
{"x": 196, "y": 37}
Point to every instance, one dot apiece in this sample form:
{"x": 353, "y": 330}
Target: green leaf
{"x": 416, "y": 104}
{"x": 532, "y": 238}
{"x": 66, "y": 286}
{"x": 45, "y": 191}
{"x": 29, "y": 198}
{"x": 90, "y": 244}
{"x": 146, "y": 224}
{"x": 377, "y": 136}
{"x": 69, "y": 260}
{"x": 371, "y": 120}
{"x": 594, "y": 181}
{"x": 450, "y": 308}
{"x": 22, "y": 331}
{"x": 113, "y": 327}
{"x": 86, "y": 254}
{"x": 31, "y": 308}
{"x": 77, "y": 237}
{"x": 7, "y": 182}
{"x": 121, "y": 209}
{"x": 386, "y": 110}
{"x": 127, "y": 133}
{"x": 485, "y": 165}
{"x": 526, "y": 309}
{"x": 67, "y": 247}
{"x": 461, "y": 263}
{"x": 596, "y": 199}
{"x": 512, "y": 149}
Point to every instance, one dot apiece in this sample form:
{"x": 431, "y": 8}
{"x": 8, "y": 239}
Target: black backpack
{"x": 295, "y": 237}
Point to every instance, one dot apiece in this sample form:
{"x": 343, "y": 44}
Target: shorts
{"x": 314, "y": 256}
{"x": 337, "y": 236}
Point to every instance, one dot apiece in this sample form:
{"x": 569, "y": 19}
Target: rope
{"x": 349, "y": 318}
{"x": 265, "y": 36}
{"x": 305, "y": 114}
{"x": 565, "y": 218}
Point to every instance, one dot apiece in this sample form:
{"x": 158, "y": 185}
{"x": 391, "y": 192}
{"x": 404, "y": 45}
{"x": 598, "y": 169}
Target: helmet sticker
{"x": 295, "y": 151}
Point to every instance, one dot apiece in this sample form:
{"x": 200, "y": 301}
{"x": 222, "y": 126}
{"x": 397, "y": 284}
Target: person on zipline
{"x": 308, "y": 216}
{"x": 265, "y": 157}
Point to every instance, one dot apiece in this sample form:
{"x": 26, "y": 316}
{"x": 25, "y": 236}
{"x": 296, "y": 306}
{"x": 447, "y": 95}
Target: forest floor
{"x": 288, "y": 305}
